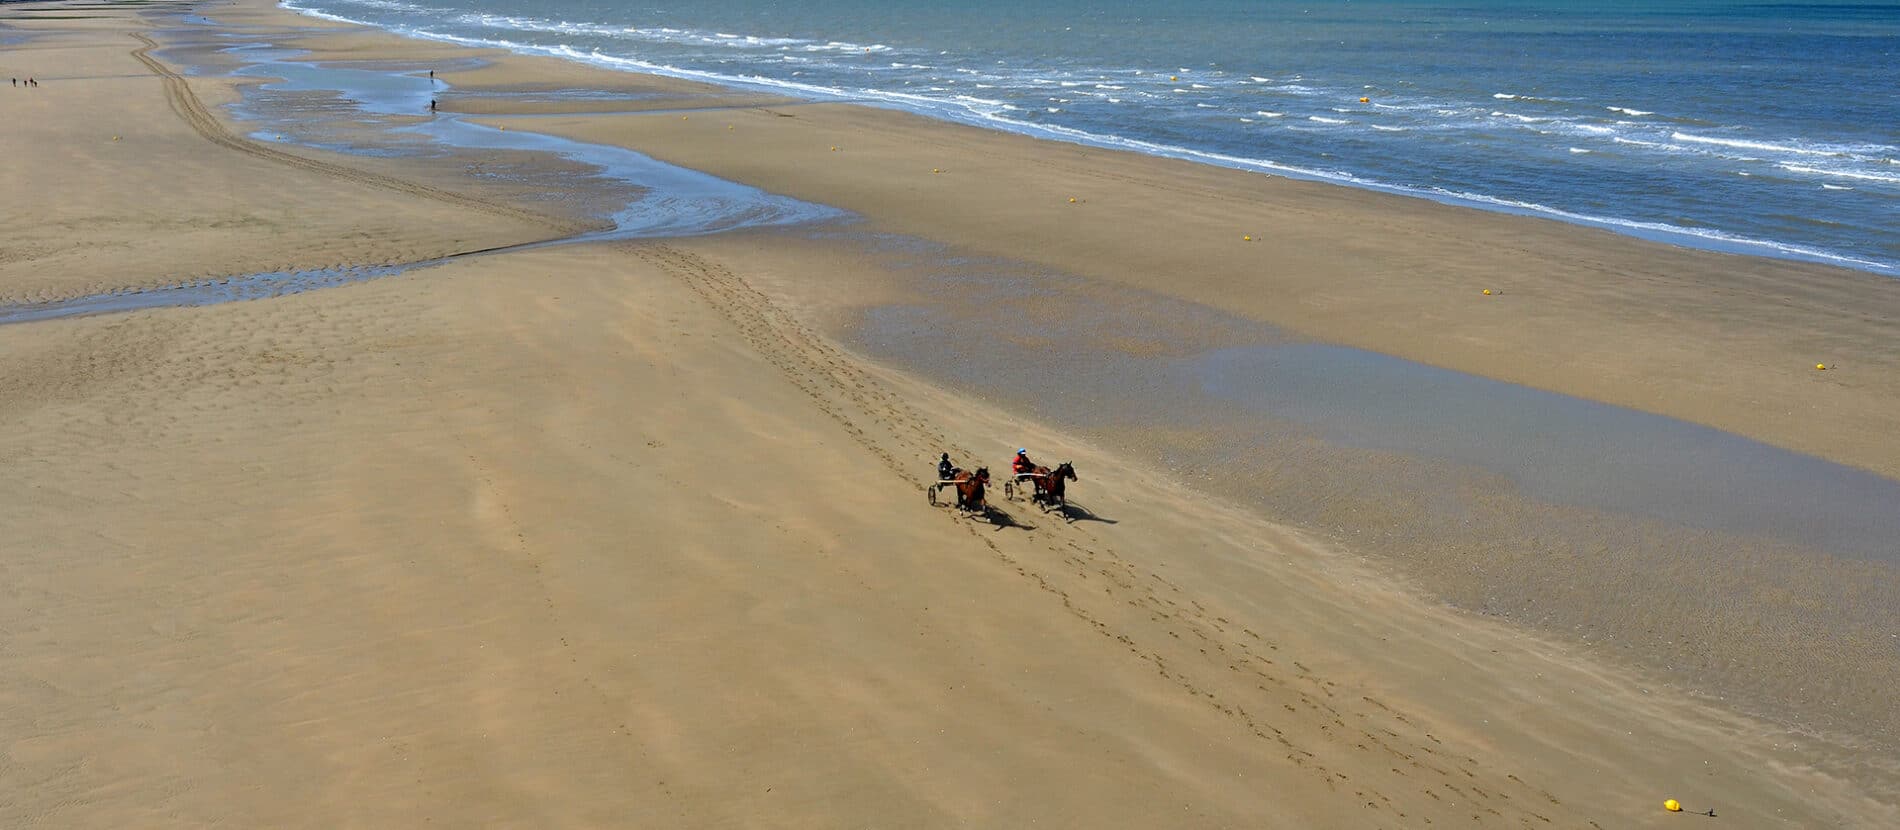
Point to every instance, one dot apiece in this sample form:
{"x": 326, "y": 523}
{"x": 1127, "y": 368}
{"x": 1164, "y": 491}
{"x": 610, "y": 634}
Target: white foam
{"x": 1754, "y": 145}
{"x": 1268, "y": 114}
{"x": 392, "y": 5}
{"x": 1504, "y": 96}
{"x": 1844, "y": 174}
{"x": 1726, "y": 239}
{"x": 1325, "y": 120}
{"x": 1578, "y": 150}
{"x": 1629, "y": 112}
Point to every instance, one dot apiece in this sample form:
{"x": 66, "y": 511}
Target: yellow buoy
{"x": 1072, "y": 200}
{"x": 936, "y": 170}
{"x": 1487, "y": 292}
{"x": 1821, "y": 366}
{"x": 1174, "y": 77}
{"x": 1248, "y": 238}
{"x": 1365, "y": 100}
{"x": 834, "y": 149}
{"x": 115, "y": 138}
{"x": 1672, "y": 806}
{"x": 728, "y": 126}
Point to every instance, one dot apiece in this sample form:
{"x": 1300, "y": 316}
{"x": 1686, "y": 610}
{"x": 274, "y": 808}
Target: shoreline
{"x": 1711, "y": 241}
{"x": 568, "y": 444}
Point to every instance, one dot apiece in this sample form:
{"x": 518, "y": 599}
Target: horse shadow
{"x": 1072, "y": 512}
{"x": 1003, "y": 520}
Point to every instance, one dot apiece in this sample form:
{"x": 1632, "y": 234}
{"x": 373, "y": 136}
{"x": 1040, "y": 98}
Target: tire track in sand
{"x": 1402, "y": 772}
{"x": 187, "y": 105}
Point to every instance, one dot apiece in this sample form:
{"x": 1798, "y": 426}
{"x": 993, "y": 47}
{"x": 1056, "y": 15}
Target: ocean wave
{"x": 392, "y": 5}
{"x": 1845, "y": 174}
{"x": 1725, "y": 239}
{"x": 664, "y": 34}
{"x": 1662, "y": 146}
{"x": 1509, "y": 96}
{"x": 1630, "y": 112}
{"x": 1794, "y": 147}
{"x": 1324, "y": 120}
{"x": 1743, "y": 144}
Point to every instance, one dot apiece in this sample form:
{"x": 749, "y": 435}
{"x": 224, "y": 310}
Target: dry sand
{"x": 1726, "y": 341}
{"x": 107, "y": 187}
{"x": 605, "y": 535}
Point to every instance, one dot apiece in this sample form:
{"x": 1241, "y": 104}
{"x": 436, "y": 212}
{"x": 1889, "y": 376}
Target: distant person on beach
{"x": 432, "y": 105}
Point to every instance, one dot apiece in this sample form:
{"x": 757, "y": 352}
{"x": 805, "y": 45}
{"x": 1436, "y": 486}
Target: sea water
{"x": 1769, "y": 128}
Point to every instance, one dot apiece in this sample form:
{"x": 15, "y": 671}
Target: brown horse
{"x": 970, "y": 487}
{"x": 1051, "y": 485}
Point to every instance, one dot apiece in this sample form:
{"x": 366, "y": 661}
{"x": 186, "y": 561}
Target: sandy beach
{"x": 630, "y": 531}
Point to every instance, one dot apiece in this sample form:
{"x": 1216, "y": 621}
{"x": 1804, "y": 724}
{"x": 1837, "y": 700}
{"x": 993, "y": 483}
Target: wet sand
{"x": 631, "y": 532}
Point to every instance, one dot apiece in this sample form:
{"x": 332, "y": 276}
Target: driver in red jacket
{"x": 1021, "y": 464}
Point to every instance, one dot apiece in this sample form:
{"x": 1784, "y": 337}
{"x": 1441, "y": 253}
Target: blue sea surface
{"x": 1755, "y": 127}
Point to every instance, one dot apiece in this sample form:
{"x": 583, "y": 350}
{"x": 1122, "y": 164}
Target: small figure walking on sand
{"x": 432, "y": 105}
